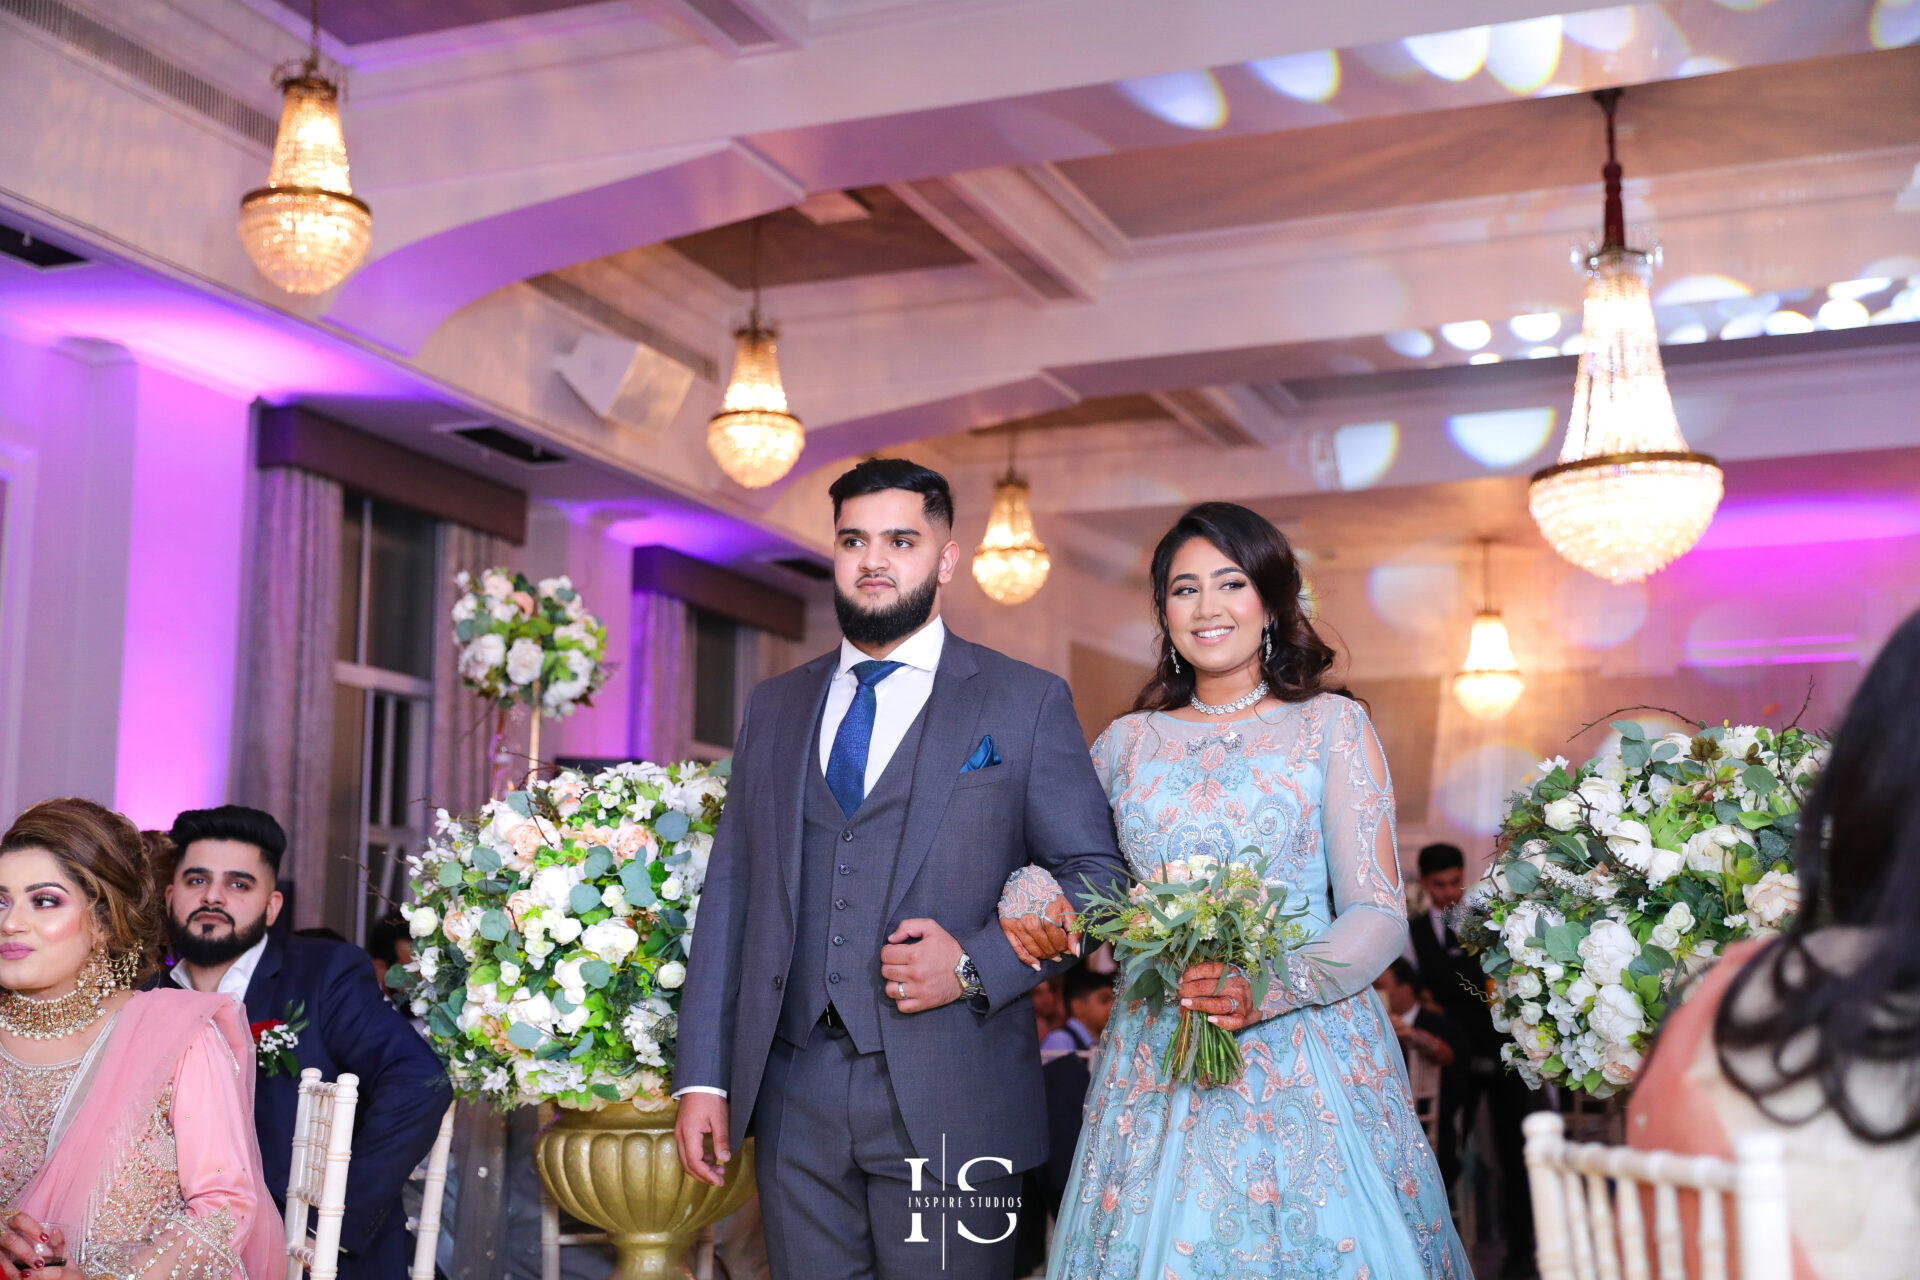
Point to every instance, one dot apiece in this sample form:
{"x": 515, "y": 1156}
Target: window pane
{"x": 348, "y": 649}
{"x": 713, "y": 677}
{"x": 401, "y": 591}
{"x": 342, "y": 876}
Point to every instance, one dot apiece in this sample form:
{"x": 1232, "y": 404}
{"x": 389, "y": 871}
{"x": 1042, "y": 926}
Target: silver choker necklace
{"x": 1228, "y": 708}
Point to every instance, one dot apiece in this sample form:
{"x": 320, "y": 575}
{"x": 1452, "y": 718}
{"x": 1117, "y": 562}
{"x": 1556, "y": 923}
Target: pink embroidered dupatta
{"x": 112, "y": 1115}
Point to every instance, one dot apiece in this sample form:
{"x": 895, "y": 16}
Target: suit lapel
{"x": 264, "y": 986}
{"x": 799, "y": 723}
{"x": 947, "y": 738}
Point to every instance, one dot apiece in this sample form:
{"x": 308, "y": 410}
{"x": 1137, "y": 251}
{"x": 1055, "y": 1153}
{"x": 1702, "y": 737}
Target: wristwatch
{"x": 969, "y": 975}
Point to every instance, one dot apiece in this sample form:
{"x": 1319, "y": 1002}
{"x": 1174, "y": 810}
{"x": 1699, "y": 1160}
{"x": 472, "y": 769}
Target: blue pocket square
{"x": 983, "y": 757}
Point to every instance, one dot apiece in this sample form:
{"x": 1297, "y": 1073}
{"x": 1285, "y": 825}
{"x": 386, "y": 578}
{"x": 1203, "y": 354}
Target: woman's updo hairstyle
{"x": 102, "y": 853}
{"x": 1300, "y": 660}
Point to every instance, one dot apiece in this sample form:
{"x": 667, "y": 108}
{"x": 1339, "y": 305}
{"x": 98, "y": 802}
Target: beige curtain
{"x": 286, "y": 734}
{"x": 659, "y": 676}
{"x": 459, "y": 772}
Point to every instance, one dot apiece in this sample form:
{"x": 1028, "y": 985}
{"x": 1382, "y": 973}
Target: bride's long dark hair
{"x": 1844, "y": 1021}
{"x": 1301, "y": 659}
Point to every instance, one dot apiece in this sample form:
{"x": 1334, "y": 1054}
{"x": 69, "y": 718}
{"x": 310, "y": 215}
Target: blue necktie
{"x": 847, "y": 762}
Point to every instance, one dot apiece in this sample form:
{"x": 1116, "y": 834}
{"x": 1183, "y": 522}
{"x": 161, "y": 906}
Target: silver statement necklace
{"x": 1258, "y": 692}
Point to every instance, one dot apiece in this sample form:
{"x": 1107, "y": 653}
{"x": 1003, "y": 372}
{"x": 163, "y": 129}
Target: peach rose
{"x": 527, "y": 840}
{"x": 631, "y": 840}
{"x": 523, "y": 602}
{"x": 519, "y": 902}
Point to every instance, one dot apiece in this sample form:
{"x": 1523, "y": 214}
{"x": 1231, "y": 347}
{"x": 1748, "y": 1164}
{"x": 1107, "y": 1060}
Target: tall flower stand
{"x": 619, "y": 1169}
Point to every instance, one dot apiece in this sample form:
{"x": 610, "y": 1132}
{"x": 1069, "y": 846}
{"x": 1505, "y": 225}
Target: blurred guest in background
{"x": 1433, "y": 1036}
{"x": 389, "y": 942}
{"x": 1815, "y": 1035}
{"x": 1049, "y": 1008}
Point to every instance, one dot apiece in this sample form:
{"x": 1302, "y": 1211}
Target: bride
{"x": 126, "y": 1118}
{"x": 1314, "y": 1164}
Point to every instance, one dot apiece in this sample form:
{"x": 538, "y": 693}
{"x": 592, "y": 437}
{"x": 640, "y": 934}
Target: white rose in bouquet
{"x": 1632, "y": 843}
{"x": 1603, "y": 799}
{"x": 553, "y": 586}
{"x": 1621, "y": 1064}
{"x": 1665, "y": 937}
{"x": 479, "y": 659}
{"x": 1664, "y": 864}
{"x": 1608, "y": 949}
{"x": 496, "y": 586}
{"x": 465, "y": 608}
{"x": 1617, "y": 1015}
{"x": 1709, "y": 851}
{"x": 1774, "y": 898}
{"x": 610, "y": 940}
{"x": 1679, "y": 917}
{"x": 566, "y": 930}
{"x": 672, "y": 974}
{"x": 422, "y": 921}
{"x": 523, "y": 661}
{"x": 1564, "y": 814}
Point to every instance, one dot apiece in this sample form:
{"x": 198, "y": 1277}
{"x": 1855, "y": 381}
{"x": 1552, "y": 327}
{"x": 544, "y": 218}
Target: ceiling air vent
{"x": 512, "y": 446}
{"x": 806, "y": 568}
{"x": 34, "y": 251}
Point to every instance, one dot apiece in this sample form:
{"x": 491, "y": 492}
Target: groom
{"x": 851, "y": 1001}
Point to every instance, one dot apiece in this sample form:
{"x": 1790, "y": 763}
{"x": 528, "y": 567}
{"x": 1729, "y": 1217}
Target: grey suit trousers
{"x": 839, "y": 1193}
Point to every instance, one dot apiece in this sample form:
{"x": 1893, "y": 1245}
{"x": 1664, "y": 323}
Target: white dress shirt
{"x": 234, "y": 981}
{"x": 898, "y": 699}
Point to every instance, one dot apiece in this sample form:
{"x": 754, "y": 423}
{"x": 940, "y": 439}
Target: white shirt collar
{"x": 236, "y": 979}
{"x": 920, "y": 650}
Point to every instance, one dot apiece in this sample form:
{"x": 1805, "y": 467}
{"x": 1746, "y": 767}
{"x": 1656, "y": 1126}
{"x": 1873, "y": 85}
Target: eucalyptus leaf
{"x": 1759, "y": 780}
{"x": 1659, "y": 957}
{"x": 1523, "y": 876}
{"x": 449, "y": 874}
{"x": 597, "y": 973}
{"x": 1666, "y": 751}
{"x": 550, "y": 1050}
{"x": 637, "y": 884}
{"x": 521, "y": 803}
{"x": 598, "y": 860}
{"x": 1563, "y": 942}
{"x": 464, "y": 630}
{"x": 1629, "y": 730}
{"x": 524, "y": 1035}
{"x": 493, "y": 925}
{"x": 723, "y": 768}
{"x": 399, "y": 979}
{"x": 441, "y": 1024}
{"x": 1755, "y": 821}
{"x": 563, "y": 1004}
{"x": 583, "y": 899}
{"x": 672, "y": 826}
{"x": 606, "y": 1092}
{"x": 582, "y": 1049}
{"x": 485, "y": 858}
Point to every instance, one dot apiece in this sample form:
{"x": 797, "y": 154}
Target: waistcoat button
{"x": 833, "y": 977}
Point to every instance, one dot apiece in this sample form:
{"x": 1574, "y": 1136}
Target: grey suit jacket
{"x": 963, "y": 1073}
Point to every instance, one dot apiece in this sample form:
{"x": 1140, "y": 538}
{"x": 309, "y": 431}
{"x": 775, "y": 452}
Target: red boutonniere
{"x": 275, "y": 1039}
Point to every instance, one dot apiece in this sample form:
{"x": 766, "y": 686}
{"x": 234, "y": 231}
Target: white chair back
{"x": 317, "y": 1177}
{"x": 426, "y": 1227}
{"x": 1423, "y": 1083}
{"x": 1588, "y": 1220}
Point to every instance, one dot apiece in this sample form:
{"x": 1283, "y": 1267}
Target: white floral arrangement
{"x": 1623, "y": 878}
{"x": 522, "y": 641}
{"x": 551, "y": 933}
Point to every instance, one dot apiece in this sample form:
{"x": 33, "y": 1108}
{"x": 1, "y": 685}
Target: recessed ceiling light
{"x": 1467, "y": 335}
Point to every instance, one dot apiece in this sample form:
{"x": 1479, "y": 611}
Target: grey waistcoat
{"x": 846, "y": 869}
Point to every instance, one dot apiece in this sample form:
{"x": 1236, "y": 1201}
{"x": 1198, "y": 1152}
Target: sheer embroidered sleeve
{"x": 213, "y": 1137}
{"x": 1363, "y": 866}
{"x": 1030, "y": 889}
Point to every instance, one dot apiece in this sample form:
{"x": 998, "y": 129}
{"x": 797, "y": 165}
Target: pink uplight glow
{"x": 1792, "y": 522}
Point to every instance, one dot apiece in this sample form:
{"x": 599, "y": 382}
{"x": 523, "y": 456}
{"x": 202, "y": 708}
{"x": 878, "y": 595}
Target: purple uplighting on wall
{"x": 1789, "y": 522}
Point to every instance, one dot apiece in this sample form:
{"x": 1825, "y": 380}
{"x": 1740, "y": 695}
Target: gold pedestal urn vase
{"x": 619, "y": 1169}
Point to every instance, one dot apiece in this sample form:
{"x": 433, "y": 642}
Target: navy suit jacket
{"x": 403, "y": 1090}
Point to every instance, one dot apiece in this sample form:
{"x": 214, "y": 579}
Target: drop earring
{"x": 1269, "y": 644}
{"x": 1173, "y": 655}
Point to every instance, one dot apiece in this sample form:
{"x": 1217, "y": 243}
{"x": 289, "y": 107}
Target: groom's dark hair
{"x": 877, "y": 474}
{"x": 232, "y": 822}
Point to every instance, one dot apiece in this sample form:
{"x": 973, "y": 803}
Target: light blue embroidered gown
{"x": 1313, "y": 1165}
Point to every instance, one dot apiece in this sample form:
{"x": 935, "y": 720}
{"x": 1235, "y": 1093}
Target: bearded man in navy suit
{"x": 220, "y": 905}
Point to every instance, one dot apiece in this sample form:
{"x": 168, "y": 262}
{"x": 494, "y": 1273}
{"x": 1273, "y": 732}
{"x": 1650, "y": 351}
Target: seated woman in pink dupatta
{"x": 1815, "y": 1035}
{"x": 126, "y": 1119}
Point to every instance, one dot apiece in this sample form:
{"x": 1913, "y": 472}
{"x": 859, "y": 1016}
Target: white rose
{"x": 578, "y": 632}
{"x": 1563, "y": 814}
{"x": 1608, "y": 949}
{"x": 569, "y": 1023}
{"x": 1632, "y": 843}
{"x": 1680, "y": 917}
{"x": 538, "y": 949}
{"x": 1517, "y": 933}
{"x": 567, "y": 974}
{"x": 422, "y": 921}
{"x": 1707, "y": 851}
{"x": 523, "y": 660}
{"x": 1531, "y": 1013}
{"x": 1617, "y": 1016}
{"x": 552, "y": 888}
{"x": 1553, "y": 971}
{"x": 672, "y": 974}
{"x": 535, "y": 1010}
{"x": 1527, "y": 985}
{"x": 614, "y": 899}
{"x": 509, "y": 974}
{"x": 1581, "y": 990}
{"x": 461, "y": 925}
{"x": 610, "y": 940}
{"x": 1611, "y": 767}
{"x": 1664, "y": 864}
{"x": 1776, "y": 897}
{"x": 553, "y": 586}
{"x": 466, "y": 608}
{"x": 503, "y": 611}
{"x": 673, "y": 886}
{"x": 565, "y": 929}
{"x": 1665, "y": 937}
{"x": 1603, "y": 797}
{"x": 479, "y": 659}
{"x": 699, "y": 846}
{"x": 497, "y": 586}
{"x": 1658, "y": 790}
{"x": 430, "y": 963}
{"x": 1739, "y": 740}
{"x": 1501, "y": 1022}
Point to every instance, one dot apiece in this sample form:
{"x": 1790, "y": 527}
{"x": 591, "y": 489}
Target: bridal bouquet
{"x": 1621, "y": 878}
{"x": 551, "y": 932}
{"x": 522, "y": 641}
{"x": 1191, "y": 910}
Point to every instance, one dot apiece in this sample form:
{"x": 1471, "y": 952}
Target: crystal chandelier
{"x": 305, "y": 230}
{"x": 1489, "y": 682}
{"x": 1012, "y": 563}
{"x": 1627, "y": 496}
{"x": 753, "y": 437}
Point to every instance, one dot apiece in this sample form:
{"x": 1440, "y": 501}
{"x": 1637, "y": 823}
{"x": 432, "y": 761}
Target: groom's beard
{"x": 199, "y": 949}
{"x": 907, "y": 614}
